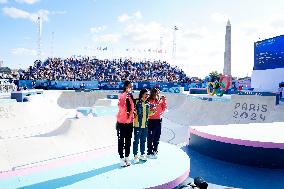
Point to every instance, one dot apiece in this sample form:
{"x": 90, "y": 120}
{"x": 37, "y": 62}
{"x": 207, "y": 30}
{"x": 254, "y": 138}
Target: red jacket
{"x": 161, "y": 106}
{"x": 122, "y": 115}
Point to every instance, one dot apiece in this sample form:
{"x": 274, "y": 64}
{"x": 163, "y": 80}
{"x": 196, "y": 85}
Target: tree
{"x": 215, "y": 76}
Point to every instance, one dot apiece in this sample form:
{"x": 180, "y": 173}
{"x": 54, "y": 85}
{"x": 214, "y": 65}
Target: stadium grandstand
{"x": 85, "y": 69}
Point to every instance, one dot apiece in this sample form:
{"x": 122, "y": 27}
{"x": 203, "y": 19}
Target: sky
{"x": 72, "y": 27}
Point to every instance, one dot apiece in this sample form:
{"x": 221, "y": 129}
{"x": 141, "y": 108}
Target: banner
{"x": 269, "y": 53}
{"x": 104, "y": 85}
{"x": 61, "y": 85}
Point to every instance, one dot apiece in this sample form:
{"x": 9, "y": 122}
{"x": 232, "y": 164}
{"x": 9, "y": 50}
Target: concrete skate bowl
{"x": 24, "y": 149}
{"x": 72, "y": 100}
{"x": 74, "y": 136}
{"x": 174, "y": 100}
{"x": 46, "y": 112}
{"x": 39, "y": 115}
{"x": 42, "y": 130}
{"x": 239, "y": 109}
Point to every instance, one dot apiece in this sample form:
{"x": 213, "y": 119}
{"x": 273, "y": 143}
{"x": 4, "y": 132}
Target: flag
{"x": 149, "y": 50}
{"x": 127, "y": 49}
{"x": 105, "y": 49}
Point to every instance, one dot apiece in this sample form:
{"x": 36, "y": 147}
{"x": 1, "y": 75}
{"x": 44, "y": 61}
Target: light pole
{"x": 39, "y": 22}
{"x": 161, "y": 48}
{"x": 174, "y": 44}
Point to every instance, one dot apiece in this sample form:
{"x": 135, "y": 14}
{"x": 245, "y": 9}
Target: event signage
{"x": 218, "y": 87}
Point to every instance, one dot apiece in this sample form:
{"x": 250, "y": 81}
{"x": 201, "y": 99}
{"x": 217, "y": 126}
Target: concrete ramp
{"x": 41, "y": 127}
{"x": 240, "y": 109}
{"x": 175, "y": 100}
{"x": 254, "y": 109}
{"x": 199, "y": 112}
{"x": 30, "y": 118}
{"x": 72, "y": 100}
{"x": 72, "y": 137}
{"x": 106, "y": 102}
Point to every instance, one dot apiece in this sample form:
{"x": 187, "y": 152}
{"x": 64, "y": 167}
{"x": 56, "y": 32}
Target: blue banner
{"x": 104, "y": 85}
{"x": 46, "y": 84}
{"x": 269, "y": 53}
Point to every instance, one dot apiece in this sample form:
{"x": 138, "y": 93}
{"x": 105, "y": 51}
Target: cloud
{"x": 195, "y": 33}
{"x": 137, "y": 15}
{"x": 145, "y": 34}
{"x": 219, "y": 17}
{"x": 125, "y": 17}
{"x": 244, "y": 34}
{"x": 199, "y": 48}
{"x": 3, "y": 1}
{"x": 58, "y": 12}
{"x": 107, "y": 38}
{"x": 23, "y": 52}
{"x": 27, "y": 1}
{"x": 98, "y": 29}
{"x": 18, "y": 13}
{"x": 277, "y": 24}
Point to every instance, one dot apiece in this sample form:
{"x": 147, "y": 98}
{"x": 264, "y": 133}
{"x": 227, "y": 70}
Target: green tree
{"x": 215, "y": 75}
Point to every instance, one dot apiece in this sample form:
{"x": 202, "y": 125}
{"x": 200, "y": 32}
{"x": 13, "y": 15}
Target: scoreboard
{"x": 269, "y": 53}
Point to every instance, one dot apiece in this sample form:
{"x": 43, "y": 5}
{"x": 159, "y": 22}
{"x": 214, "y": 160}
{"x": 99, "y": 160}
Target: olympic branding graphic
{"x": 218, "y": 87}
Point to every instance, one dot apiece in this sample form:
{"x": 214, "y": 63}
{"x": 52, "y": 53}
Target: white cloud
{"x": 137, "y": 15}
{"x": 125, "y": 17}
{"x": 42, "y": 13}
{"x": 58, "y": 12}
{"x": 18, "y": 13}
{"x": 219, "y": 17}
{"x": 3, "y": 1}
{"x": 145, "y": 33}
{"x": 107, "y": 38}
{"x": 200, "y": 48}
{"x": 23, "y": 52}
{"x": 195, "y": 33}
{"x": 245, "y": 34}
{"x": 27, "y": 1}
{"x": 98, "y": 29}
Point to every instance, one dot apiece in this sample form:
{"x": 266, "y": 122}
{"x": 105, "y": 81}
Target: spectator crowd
{"x": 84, "y": 69}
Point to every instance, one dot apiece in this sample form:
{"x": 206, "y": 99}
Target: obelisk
{"x": 227, "y": 54}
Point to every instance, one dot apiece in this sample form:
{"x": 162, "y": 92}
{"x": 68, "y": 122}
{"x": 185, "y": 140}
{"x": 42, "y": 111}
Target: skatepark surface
{"x": 47, "y": 127}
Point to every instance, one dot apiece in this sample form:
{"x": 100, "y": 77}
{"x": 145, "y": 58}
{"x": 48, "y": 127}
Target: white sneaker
{"x": 143, "y": 157}
{"x": 151, "y": 156}
{"x": 155, "y": 156}
{"x": 136, "y": 159}
{"x": 122, "y": 162}
{"x": 127, "y": 161}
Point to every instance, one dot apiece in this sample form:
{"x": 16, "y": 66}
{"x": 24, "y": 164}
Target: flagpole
{"x": 174, "y": 44}
{"x": 39, "y": 22}
{"x": 161, "y": 47}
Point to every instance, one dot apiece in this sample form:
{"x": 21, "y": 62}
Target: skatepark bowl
{"x": 67, "y": 139}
